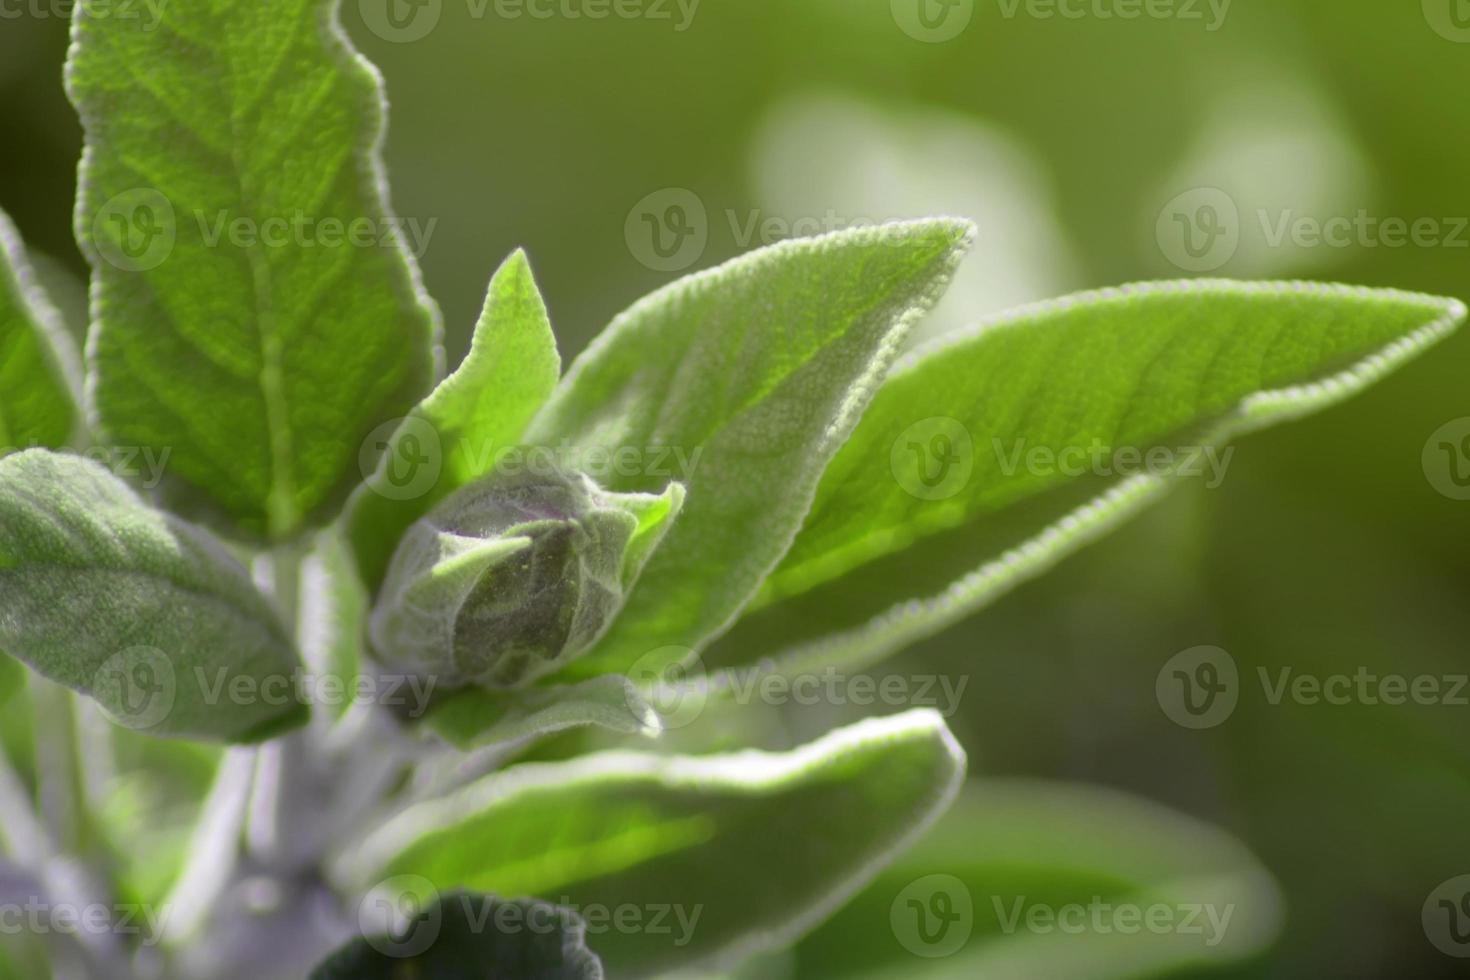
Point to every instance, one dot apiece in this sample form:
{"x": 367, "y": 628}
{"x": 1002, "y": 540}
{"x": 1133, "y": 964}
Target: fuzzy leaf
{"x": 798, "y": 831}
{"x": 254, "y": 306}
{"x": 454, "y": 435}
{"x": 148, "y": 614}
{"x": 936, "y": 505}
{"x": 467, "y": 936}
{"x": 755, "y": 372}
{"x": 38, "y": 374}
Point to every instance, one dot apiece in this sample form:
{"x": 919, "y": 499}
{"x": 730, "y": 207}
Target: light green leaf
{"x": 455, "y": 434}
{"x": 742, "y": 852}
{"x": 464, "y": 935}
{"x": 755, "y": 373}
{"x": 972, "y": 472}
{"x": 254, "y": 306}
{"x": 1030, "y": 880}
{"x": 38, "y": 366}
{"x": 149, "y": 615}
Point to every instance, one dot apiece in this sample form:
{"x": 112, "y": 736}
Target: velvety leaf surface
{"x": 254, "y": 307}
{"x": 467, "y": 936}
{"x": 800, "y": 831}
{"x": 37, "y": 365}
{"x": 1030, "y": 880}
{"x": 146, "y": 613}
{"x": 974, "y": 468}
{"x": 754, "y": 372}
{"x": 455, "y": 434}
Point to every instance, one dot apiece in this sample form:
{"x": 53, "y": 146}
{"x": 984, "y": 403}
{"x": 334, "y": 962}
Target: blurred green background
{"x": 1326, "y": 549}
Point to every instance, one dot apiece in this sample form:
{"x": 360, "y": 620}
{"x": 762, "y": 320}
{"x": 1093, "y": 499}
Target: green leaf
{"x": 12, "y": 678}
{"x": 733, "y": 853}
{"x": 38, "y": 373}
{"x": 755, "y": 372}
{"x": 1172, "y": 369}
{"x": 149, "y": 615}
{"x": 1015, "y": 861}
{"x": 455, "y": 434}
{"x": 466, "y": 935}
{"x": 254, "y": 307}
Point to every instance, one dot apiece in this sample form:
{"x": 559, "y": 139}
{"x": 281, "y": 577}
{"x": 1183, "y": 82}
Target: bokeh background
{"x": 1328, "y": 547}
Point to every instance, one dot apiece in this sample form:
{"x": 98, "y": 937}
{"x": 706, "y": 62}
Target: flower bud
{"x": 514, "y": 575}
